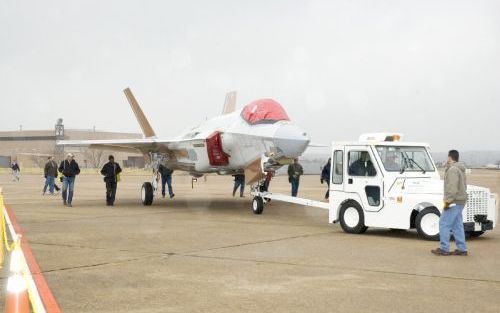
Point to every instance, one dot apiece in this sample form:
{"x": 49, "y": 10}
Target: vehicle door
{"x": 364, "y": 177}
{"x": 337, "y": 169}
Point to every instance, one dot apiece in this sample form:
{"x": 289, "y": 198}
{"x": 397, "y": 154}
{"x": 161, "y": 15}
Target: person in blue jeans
{"x": 295, "y": 170}
{"x": 50, "y": 173}
{"x": 239, "y": 182}
{"x": 455, "y": 198}
{"x": 166, "y": 179}
{"x": 69, "y": 169}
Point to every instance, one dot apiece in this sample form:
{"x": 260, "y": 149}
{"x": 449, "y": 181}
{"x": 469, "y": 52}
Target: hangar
{"x": 30, "y": 148}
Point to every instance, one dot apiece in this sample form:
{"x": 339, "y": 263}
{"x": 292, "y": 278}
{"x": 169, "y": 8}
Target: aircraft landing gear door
{"x": 364, "y": 177}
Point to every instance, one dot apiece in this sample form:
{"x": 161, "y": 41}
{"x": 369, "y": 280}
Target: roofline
{"x": 382, "y": 143}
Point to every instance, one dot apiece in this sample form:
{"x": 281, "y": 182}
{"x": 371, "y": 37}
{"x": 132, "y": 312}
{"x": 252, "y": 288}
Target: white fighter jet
{"x": 252, "y": 140}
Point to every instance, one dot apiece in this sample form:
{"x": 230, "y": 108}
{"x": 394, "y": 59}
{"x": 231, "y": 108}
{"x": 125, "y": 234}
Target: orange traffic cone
{"x": 17, "y": 300}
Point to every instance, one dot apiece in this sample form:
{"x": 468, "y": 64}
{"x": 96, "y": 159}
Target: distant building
{"x": 30, "y": 148}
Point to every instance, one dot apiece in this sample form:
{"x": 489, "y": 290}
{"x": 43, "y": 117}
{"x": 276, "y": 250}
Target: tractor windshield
{"x": 264, "y": 111}
{"x": 405, "y": 159}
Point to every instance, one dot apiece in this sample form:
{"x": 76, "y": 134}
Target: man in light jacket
{"x": 455, "y": 198}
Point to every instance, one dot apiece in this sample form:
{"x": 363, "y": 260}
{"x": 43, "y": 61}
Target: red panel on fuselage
{"x": 264, "y": 111}
{"x": 216, "y": 156}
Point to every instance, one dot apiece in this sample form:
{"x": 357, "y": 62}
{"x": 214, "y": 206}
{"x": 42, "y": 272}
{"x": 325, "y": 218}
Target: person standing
{"x": 166, "y": 179}
{"x": 455, "y": 198}
{"x": 111, "y": 170}
{"x": 325, "y": 177}
{"x": 15, "y": 171}
{"x": 295, "y": 170}
{"x": 69, "y": 169}
{"x": 267, "y": 181}
{"x": 50, "y": 173}
{"x": 239, "y": 182}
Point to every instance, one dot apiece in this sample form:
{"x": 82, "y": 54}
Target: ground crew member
{"x": 15, "y": 171}
{"x": 267, "y": 181}
{"x": 295, "y": 170}
{"x": 325, "y": 177}
{"x": 50, "y": 173}
{"x": 455, "y": 197}
{"x": 239, "y": 182}
{"x": 69, "y": 169}
{"x": 111, "y": 172}
{"x": 166, "y": 179}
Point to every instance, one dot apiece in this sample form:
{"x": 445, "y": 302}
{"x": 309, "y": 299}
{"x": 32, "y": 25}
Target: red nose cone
{"x": 264, "y": 111}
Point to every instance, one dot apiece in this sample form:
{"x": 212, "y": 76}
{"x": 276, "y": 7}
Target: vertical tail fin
{"x": 147, "y": 130}
{"x": 229, "y": 103}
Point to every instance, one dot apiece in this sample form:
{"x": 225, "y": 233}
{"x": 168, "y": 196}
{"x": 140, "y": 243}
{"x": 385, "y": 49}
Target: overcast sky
{"x": 428, "y": 69}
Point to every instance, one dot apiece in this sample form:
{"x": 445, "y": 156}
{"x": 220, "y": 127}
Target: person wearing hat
{"x": 111, "y": 172}
{"x": 69, "y": 169}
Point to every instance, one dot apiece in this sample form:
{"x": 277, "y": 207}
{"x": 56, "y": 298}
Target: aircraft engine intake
{"x": 216, "y": 156}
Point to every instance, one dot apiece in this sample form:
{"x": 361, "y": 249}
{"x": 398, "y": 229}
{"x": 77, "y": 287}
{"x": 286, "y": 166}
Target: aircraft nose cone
{"x": 291, "y": 141}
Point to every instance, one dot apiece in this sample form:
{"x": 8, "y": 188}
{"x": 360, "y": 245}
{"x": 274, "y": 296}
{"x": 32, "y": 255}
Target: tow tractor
{"x": 380, "y": 181}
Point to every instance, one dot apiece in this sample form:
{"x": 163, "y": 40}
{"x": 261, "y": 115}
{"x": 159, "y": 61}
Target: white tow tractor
{"x": 379, "y": 181}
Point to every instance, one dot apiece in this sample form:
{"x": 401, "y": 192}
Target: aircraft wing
{"x": 144, "y": 145}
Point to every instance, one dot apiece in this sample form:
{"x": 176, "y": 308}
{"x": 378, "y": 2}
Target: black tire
{"x": 424, "y": 230}
{"x": 473, "y": 234}
{"x": 348, "y": 226}
{"x": 257, "y": 205}
{"x": 147, "y": 193}
{"x": 397, "y": 230}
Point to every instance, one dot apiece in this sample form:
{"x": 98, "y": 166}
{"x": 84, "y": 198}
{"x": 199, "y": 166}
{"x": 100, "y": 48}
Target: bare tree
{"x": 94, "y": 157}
{"x": 37, "y": 160}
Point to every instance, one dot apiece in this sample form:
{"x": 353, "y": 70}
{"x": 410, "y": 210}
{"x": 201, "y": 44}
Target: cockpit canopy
{"x": 264, "y": 111}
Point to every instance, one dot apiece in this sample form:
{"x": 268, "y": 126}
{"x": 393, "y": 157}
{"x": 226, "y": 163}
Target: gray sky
{"x": 429, "y": 69}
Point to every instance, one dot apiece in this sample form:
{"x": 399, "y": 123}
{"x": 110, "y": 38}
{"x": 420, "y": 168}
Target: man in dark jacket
{"x": 295, "y": 170}
{"x": 15, "y": 171}
{"x": 239, "y": 182}
{"x": 166, "y": 179}
{"x": 111, "y": 170}
{"x": 50, "y": 173}
{"x": 325, "y": 177}
{"x": 363, "y": 166}
{"x": 69, "y": 168}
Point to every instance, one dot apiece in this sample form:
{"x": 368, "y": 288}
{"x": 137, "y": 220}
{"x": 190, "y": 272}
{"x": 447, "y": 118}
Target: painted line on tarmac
{"x": 38, "y": 279}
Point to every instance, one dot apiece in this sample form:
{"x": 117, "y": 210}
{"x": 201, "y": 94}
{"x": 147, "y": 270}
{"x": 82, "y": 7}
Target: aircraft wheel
{"x": 257, "y": 205}
{"x": 147, "y": 193}
{"x": 352, "y": 219}
{"x": 427, "y": 224}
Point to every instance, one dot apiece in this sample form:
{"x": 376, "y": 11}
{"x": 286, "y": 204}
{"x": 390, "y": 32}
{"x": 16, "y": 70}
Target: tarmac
{"x": 205, "y": 251}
